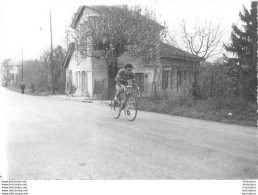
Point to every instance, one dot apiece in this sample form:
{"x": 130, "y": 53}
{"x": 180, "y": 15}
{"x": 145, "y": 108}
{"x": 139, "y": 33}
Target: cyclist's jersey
{"x": 122, "y": 77}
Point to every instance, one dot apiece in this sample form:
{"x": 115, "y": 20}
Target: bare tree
{"x": 203, "y": 41}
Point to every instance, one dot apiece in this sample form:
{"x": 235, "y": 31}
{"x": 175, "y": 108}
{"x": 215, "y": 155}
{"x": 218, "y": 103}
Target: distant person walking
{"x": 22, "y": 86}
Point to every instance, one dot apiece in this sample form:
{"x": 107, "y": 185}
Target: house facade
{"x": 10, "y": 72}
{"x": 85, "y": 74}
{"x": 90, "y": 77}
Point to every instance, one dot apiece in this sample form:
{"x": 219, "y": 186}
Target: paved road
{"x": 50, "y": 138}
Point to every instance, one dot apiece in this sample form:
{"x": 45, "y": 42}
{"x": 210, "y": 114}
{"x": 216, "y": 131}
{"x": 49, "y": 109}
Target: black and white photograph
{"x": 128, "y": 90}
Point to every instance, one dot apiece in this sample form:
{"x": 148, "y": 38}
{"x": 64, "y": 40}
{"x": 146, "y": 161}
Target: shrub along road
{"x": 49, "y": 138}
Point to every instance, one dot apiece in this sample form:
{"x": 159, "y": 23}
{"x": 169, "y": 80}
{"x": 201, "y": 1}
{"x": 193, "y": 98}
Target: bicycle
{"x": 128, "y": 103}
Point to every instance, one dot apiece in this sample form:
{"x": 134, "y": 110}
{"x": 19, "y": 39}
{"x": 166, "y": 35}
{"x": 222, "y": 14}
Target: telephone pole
{"x": 22, "y": 65}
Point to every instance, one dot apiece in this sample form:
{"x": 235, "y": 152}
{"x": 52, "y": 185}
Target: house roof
{"x": 15, "y": 62}
{"x": 79, "y": 13}
{"x": 97, "y": 8}
{"x": 77, "y": 16}
{"x": 171, "y": 52}
{"x": 166, "y": 52}
{"x": 68, "y": 55}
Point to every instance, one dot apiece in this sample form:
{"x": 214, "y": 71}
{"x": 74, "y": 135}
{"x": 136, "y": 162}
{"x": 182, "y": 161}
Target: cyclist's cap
{"x": 128, "y": 66}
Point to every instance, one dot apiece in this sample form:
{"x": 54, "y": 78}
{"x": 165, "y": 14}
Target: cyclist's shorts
{"x": 121, "y": 83}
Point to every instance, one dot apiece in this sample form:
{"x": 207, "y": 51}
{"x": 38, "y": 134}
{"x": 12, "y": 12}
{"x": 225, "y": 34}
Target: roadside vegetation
{"x": 36, "y": 76}
{"x": 229, "y": 110}
{"x": 225, "y": 90}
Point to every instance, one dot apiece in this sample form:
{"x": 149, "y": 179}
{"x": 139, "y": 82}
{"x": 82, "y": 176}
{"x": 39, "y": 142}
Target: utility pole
{"x": 22, "y": 85}
{"x": 22, "y": 63}
{"x": 13, "y": 70}
{"x": 51, "y": 55}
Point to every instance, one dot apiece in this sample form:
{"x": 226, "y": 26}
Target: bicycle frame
{"x": 126, "y": 103}
{"x": 128, "y": 91}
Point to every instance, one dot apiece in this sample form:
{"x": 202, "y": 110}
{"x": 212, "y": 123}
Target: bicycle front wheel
{"x": 115, "y": 109}
{"x": 131, "y": 108}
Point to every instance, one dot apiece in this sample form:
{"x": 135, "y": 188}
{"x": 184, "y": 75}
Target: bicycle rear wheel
{"x": 115, "y": 109}
{"x": 131, "y": 108}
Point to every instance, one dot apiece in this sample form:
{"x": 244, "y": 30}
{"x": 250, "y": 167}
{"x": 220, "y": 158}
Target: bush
{"x": 184, "y": 97}
{"x": 214, "y": 81}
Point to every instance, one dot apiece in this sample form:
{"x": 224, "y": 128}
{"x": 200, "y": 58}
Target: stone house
{"x": 90, "y": 76}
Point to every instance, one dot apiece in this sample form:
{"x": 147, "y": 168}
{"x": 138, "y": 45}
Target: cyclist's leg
{"x": 117, "y": 98}
{"x": 119, "y": 90}
{"x": 125, "y": 101}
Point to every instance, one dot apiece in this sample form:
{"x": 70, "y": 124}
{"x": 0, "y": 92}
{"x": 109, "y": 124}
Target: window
{"x": 171, "y": 79}
{"x": 83, "y": 80}
{"x": 76, "y": 77}
{"x": 165, "y": 79}
{"x": 79, "y": 80}
{"x": 185, "y": 75}
{"x": 139, "y": 79}
{"x": 180, "y": 78}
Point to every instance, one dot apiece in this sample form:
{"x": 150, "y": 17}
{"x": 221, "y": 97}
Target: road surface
{"x": 51, "y": 138}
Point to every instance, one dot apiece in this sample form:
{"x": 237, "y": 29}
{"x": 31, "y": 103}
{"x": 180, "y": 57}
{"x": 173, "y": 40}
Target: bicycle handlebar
{"x": 128, "y": 88}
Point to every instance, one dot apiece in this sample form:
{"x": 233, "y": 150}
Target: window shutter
{"x": 146, "y": 83}
{"x": 83, "y": 80}
{"x": 185, "y": 75}
{"x": 163, "y": 79}
{"x": 166, "y": 79}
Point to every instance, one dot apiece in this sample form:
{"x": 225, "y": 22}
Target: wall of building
{"x": 81, "y": 69}
{"x": 99, "y": 69}
{"x": 86, "y": 70}
{"x": 99, "y": 78}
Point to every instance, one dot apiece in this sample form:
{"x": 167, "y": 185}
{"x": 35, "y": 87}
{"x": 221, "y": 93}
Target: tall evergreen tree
{"x": 244, "y": 45}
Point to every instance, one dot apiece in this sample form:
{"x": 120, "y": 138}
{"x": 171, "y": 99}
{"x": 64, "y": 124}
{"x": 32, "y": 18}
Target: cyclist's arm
{"x": 134, "y": 85}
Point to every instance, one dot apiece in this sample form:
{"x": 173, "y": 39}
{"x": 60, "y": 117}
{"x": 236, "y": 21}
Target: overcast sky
{"x": 25, "y": 23}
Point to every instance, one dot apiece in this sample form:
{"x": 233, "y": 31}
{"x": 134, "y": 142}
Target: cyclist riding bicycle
{"x": 122, "y": 77}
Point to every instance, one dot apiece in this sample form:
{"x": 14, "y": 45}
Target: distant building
{"x": 10, "y": 72}
{"x": 14, "y": 70}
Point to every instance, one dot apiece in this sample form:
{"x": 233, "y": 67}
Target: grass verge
{"x": 227, "y": 110}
